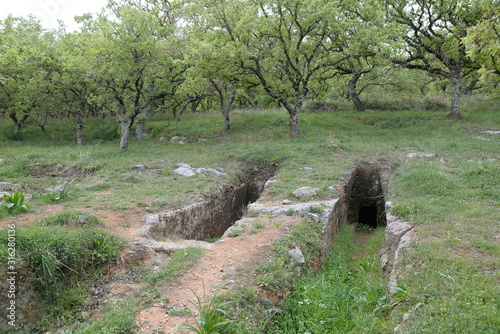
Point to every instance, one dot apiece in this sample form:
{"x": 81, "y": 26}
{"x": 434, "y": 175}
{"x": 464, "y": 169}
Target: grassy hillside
{"x": 450, "y": 190}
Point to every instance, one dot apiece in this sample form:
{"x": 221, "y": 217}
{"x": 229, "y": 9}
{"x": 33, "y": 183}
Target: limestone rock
{"x": 297, "y": 256}
{"x": 288, "y": 209}
{"x": 305, "y": 192}
{"x": 313, "y": 218}
{"x": 185, "y": 171}
{"x": 139, "y": 252}
{"x": 177, "y": 140}
{"x": 140, "y": 167}
{"x": 393, "y": 233}
{"x": 56, "y": 189}
{"x": 8, "y": 186}
{"x": 420, "y": 155}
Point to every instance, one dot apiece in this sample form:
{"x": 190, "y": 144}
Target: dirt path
{"x": 229, "y": 263}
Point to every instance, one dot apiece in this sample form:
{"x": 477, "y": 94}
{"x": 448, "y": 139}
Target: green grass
{"x": 179, "y": 262}
{"x": 71, "y": 218}
{"x": 118, "y": 318}
{"x": 345, "y": 297}
{"x": 454, "y": 268}
{"x": 451, "y": 198}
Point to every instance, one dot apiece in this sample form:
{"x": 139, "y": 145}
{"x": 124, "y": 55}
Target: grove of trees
{"x": 141, "y": 57}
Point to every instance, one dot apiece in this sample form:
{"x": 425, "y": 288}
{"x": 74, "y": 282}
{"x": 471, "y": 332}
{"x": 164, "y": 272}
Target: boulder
{"x": 305, "y": 192}
{"x": 420, "y": 155}
{"x": 184, "y": 171}
{"x": 297, "y": 256}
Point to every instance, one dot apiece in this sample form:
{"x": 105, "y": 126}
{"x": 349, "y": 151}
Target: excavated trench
{"x": 211, "y": 218}
{"x": 362, "y": 201}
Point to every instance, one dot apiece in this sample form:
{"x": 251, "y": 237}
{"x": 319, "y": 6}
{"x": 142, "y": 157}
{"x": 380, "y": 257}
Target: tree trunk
{"x": 456, "y": 92}
{"x": 353, "y": 94}
{"x": 294, "y": 123}
{"x": 18, "y": 122}
{"x": 42, "y": 126}
{"x": 79, "y": 128}
{"x": 227, "y": 107}
{"x": 124, "y": 134}
{"x": 139, "y": 128}
{"x": 183, "y": 107}
{"x": 17, "y": 128}
{"x": 194, "y": 105}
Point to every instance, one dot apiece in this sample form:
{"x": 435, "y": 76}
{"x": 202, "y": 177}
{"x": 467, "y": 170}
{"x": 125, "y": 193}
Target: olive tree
{"x": 434, "y": 31}
{"x": 127, "y": 53}
{"x": 287, "y": 45}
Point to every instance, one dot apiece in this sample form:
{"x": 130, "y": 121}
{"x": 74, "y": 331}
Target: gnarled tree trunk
{"x": 456, "y": 93}
{"x": 353, "y": 93}
{"x": 18, "y": 122}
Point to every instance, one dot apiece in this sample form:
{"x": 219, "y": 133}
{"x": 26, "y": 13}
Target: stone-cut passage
{"x": 366, "y": 202}
{"x": 362, "y": 200}
{"x": 211, "y": 218}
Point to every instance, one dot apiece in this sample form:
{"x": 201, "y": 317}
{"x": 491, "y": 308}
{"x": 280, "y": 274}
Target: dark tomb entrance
{"x": 368, "y": 216}
{"x": 366, "y": 202}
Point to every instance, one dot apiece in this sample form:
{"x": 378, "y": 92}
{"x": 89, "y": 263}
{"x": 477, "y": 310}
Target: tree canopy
{"x": 140, "y": 57}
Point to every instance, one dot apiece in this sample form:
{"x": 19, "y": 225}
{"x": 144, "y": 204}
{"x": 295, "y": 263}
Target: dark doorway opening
{"x": 366, "y": 202}
{"x": 368, "y": 216}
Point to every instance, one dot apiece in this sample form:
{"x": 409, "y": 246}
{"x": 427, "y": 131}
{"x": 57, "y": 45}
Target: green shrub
{"x": 434, "y": 103}
{"x": 62, "y": 262}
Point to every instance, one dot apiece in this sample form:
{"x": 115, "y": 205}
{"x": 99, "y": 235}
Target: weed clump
{"x": 62, "y": 263}
{"x": 71, "y": 218}
{"x": 119, "y": 318}
{"x": 14, "y": 203}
